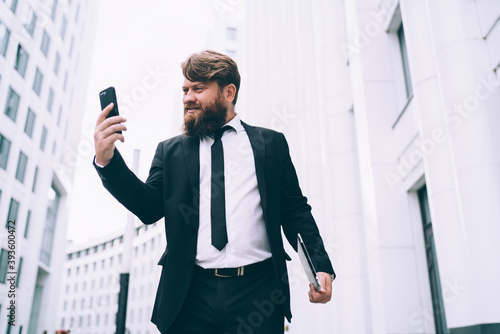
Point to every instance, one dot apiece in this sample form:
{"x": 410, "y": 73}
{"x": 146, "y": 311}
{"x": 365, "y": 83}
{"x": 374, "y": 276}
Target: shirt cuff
{"x": 98, "y": 165}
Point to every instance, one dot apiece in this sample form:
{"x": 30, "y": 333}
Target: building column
{"x": 458, "y": 100}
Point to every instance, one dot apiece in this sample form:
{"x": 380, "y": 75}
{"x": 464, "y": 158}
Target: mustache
{"x": 192, "y": 105}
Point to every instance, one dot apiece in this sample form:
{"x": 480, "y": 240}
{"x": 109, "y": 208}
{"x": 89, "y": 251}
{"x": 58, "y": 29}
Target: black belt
{"x": 253, "y": 268}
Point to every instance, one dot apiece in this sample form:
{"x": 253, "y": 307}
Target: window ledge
{"x": 410, "y": 98}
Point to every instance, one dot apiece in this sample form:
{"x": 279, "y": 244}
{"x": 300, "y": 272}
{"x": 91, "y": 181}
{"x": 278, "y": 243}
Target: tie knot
{"x": 218, "y": 134}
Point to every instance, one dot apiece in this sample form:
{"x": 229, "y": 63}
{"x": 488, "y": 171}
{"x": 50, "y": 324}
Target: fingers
{"x": 106, "y": 127}
{"x": 105, "y": 146}
{"x": 325, "y": 294}
{"x": 107, "y": 131}
{"x": 106, "y": 134}
{"x": 104, "y": 113}
{"x": 102, "y": 120}
{"x": 111, "y": 129}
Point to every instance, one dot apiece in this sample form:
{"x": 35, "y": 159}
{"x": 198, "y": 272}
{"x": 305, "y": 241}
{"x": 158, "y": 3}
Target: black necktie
{"x": 218, "y": 197}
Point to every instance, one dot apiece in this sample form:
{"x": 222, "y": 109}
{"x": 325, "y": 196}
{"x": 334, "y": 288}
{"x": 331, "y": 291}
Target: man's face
{"x": 204, "y": 107}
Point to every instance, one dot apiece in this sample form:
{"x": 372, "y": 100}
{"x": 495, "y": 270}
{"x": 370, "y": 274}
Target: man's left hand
{"x": 325, "y": 294}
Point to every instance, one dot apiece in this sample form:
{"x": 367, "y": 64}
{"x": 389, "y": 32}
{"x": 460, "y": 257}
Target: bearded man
{"x": 226, "y": 190}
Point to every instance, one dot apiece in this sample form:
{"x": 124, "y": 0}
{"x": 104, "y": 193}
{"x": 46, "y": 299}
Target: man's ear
{"x": 230, "y": 91}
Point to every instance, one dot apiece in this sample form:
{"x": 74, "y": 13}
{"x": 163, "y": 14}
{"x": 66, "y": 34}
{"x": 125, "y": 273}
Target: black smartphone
{"x": 108, "y": 96}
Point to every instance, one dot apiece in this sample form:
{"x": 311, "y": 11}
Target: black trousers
{"x": 249, "y": 304}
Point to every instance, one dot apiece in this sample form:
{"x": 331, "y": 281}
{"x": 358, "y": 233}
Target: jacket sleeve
{"x": 296, "y": 215}
{"x": 144, "y": 199}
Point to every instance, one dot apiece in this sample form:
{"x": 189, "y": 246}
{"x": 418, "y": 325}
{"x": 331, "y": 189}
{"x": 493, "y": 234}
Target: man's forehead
{"x": 188, "y": 83}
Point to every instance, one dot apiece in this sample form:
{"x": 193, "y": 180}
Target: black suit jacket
{"x": 172, "y": 191}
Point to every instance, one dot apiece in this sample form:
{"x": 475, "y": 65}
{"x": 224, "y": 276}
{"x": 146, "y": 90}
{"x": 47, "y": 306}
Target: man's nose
{"x": 189, "y": 97}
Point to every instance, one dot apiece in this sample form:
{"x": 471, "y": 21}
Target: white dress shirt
{"x": 246, "y": 231}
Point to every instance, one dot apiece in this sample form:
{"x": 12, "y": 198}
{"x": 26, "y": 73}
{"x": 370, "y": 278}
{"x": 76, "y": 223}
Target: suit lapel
{"x": 191, "y": 150}
{"x": 257, "y": 142}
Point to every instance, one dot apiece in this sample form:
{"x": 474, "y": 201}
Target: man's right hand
{"x": 105, "y": 135}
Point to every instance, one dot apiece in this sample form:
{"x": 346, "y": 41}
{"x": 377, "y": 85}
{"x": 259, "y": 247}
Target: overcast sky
{"x": 138, "y": 49}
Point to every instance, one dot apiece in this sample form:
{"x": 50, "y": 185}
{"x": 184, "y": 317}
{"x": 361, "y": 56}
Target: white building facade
{"x": 91, "y": 282}
{"x": 390, "y": 109}
{"x": 44, "y": 49}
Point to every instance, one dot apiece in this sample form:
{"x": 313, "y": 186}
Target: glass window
{"x": 37, "y": 83}
{"x": 64, "y": 24}
{"x": 432, "y": 263}
{"x": 65, "y": 82}
{"x": 27, "y": 226}
{"x": 19, "y": 270}
{"x": 12, "y": 104}
{"x": 4, "y": 38}
{"x": 12, "y": 4}
{"x": 71, "y": 46}
{"x": 404, "y": 58}
{"x": 50, "y": 100}
{"x": 21, "y": 60}
{"x": 22, "y": 162}
{"x": 53, "y": 10}
{"x": 35, "y": 178}
{"x": 59, "y": 116}
{"x": 4, "y": 151}
{"x": 54, "y": 197}
{"x": 57, "y": 63}
{"x": 30, "y": 123}
{"x": 13, "y": 211}
{"x": 77, "y": 12}
{"x": 231, "y": 34}
{"x": 45, "y": 43}
{"x": 9, "y": 328}
{"x": 43, "y": 139}
{"x": 30, "y": 22}
{"x": 3, "y": 265}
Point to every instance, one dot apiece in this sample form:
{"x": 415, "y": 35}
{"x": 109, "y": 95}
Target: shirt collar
{"x": 235, "y": 123}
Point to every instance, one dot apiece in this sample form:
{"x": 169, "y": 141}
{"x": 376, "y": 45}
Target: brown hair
{"x": 209, "y": 65}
